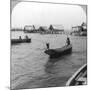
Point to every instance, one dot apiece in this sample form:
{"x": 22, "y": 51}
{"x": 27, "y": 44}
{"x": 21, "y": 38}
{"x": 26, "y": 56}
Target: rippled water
{"x": 30, "y": 66}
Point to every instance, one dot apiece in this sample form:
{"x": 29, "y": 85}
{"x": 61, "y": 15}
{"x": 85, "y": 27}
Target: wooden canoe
{"x": 55, "y": 53}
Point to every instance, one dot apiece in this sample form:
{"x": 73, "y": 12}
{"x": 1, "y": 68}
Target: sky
{"x": 44, "y": 14}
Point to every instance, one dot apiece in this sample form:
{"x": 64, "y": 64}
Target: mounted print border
{"x": 48, "y": 44}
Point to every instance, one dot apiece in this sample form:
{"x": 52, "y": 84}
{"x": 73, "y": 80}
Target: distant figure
{"x": 20, "y": 37}
{"x": 68, "y": 41}
{"x": 26, "y": 37}
{"x": 47, "y": 44}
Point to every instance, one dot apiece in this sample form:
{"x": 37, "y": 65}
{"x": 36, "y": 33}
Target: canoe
{"x": 79, "y": 77}
{"x": 18, "y": 41}
{"x": 55, "y": 53}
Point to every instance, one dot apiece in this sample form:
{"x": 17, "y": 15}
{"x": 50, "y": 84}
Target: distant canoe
{"x": 79, "y": 77}
{"x": 55, "y": 53}
{"x": 18, "y": 41}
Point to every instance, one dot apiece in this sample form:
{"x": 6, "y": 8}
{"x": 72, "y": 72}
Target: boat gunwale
{"x": 60, "y": 50}
{"x": 75, "y": 75}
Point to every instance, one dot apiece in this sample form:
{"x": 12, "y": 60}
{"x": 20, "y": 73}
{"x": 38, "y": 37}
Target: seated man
{"x": 26, "y": 37}
{"x": 20, "y": 37}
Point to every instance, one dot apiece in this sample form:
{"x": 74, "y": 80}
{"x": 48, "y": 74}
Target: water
{"x": 30, "y": 66}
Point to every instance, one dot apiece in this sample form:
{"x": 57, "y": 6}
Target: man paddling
{"x": 20, "y": 37}
{"x": 47, "y": 44}
{"x": 68, "y": 41}
{"x": 26, "y": 37}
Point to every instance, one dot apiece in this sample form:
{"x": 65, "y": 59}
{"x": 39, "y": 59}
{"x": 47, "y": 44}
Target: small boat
{"x": 79, "y": 78}
{"x": 18, "y": 41}
{"x": 55, "y": 53}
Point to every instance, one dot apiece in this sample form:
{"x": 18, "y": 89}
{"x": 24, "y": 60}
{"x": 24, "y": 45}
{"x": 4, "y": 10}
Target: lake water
{"x": 30, "y": 66}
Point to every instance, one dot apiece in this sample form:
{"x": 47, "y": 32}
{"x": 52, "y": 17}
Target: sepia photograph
{"x": 48, "y": 45}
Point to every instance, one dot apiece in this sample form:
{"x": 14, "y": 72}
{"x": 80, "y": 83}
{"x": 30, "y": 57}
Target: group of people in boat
{"x": 26, "y": 37}
{"x": 67, "y": 43}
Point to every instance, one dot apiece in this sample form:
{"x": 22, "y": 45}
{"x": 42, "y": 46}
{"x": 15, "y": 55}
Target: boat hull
{"x": 79, "y": 77}
{"x": 55, "y": 53}
{"x": 18, "y": 41}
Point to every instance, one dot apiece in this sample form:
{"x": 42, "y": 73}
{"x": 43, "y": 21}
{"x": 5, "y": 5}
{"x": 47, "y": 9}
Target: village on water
{"x": 80, "y": 30}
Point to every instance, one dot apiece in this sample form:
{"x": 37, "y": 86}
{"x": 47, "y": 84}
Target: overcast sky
{"x": 27, "y": 13}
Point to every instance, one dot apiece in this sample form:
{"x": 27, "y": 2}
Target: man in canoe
{"x": 26, "y": 37}
{"x": 68, "y": 41}
{"x": 47, "y": 44}
{"x": 20, "y": 37}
